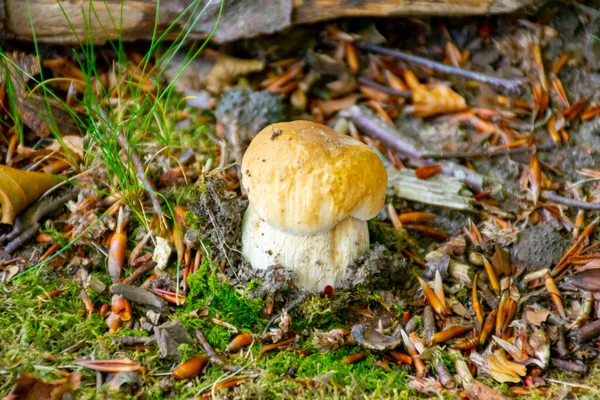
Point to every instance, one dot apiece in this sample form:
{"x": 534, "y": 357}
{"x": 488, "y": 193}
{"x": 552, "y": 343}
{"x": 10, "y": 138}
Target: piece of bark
{"x": 141, "y": 296}
{"x": 169, "y": 336}
{"x": 239, "y": 19}
{"x": 439, "y": 190}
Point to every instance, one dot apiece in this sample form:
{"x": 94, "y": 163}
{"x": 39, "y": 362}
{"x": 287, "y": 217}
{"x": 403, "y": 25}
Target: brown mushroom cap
{"x": 303, "y": 178}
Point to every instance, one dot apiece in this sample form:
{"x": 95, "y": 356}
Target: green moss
{"x": 394, "y": 239}
{"x": 363, "y": 376}
{"x": 33, "y": 332}
{"x": 221, "y": 299}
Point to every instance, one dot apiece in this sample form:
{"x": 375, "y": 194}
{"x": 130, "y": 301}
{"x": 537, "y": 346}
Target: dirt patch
{"x": 539, "y": 246}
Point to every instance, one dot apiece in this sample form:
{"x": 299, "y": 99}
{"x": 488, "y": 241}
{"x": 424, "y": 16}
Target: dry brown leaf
{"x": 433, "y": 100}
{"x": 226, "y": 69}
{"x": 536, "y": 316}
{"x": 18, "y": 189}
{"x": 28, "y": 387}
{"x": 503, "y": 370}
{"x": 332, "y": 106}
{"x": 73, "y": 143}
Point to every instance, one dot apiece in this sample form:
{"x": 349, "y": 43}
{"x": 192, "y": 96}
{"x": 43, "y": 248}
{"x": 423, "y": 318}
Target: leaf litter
{"x": 501, "y": 298}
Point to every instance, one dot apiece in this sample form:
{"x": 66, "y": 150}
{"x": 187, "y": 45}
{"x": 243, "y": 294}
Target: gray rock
{"x": 169, "y": 336}
{"x": 539, "y": 246}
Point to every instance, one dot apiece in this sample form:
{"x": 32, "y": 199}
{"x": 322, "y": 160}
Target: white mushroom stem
{"x": 317, "y": 260}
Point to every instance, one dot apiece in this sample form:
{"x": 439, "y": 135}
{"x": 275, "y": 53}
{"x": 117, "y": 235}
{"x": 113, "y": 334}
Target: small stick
{"x": 428, "y": 322}
{"x": 584, "y": 205}
{"x": 512, "y": 84}
{"x": 212, "y": 354}
{"x": 139, "y": 272}
{"x": 133, "y": 340}
{"x": 589, "y": 331}
{"x": 569, "y": 366}
{"x": 507, "y": 151}
{"x": 444, "y": 375}
{"x": 407, "y": 94}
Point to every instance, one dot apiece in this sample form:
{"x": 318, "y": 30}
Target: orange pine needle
{"x": 555, "y": 296}
{"x": 427, "y": 171}
{"x": 492, "y": 277}
{"x": 116, "y": 250}
{"x": 416, "y": 217}
{"x": 432, "y": 298}
{"x": 241, "y": 340}
{"x": 401, "y": 358}
{"x": 429, "y": 232}
{"x": 476, "y": 304}
{"x": 170, "y": 297}
{"x": 553, "y": 132}
{"x": 449, "y": 333}
{"x": 351, "y": 56}
{"x": 590, "y": 113}
{"x": 191, "y": 368}
{"x": 488, "y": 326}
{"x": 352, "y": 358}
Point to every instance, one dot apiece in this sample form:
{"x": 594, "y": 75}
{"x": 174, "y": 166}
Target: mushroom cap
{"x": 303, "y": 178}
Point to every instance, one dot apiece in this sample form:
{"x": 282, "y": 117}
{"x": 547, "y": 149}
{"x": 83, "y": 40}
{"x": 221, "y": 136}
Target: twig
{"x": 589, "y": 331}
{"x": 569, "y": 366}
{"x": 133, "y": 340}
{"x": 512, "y": 84}
{"x": 478, "y": 154}
{"x": 388, "y": 135}
{"x": 407, "y": 94}
{"x": 212, "y": 354}
{"x": 584, "y": 205}
{"x": 141, "y": 174}
{"x": 139, "y": 272}
{"x": 392, "y": 138}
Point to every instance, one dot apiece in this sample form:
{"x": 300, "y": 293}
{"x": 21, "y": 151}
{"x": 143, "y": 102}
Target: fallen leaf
{"x": 72, "y": 143}
{"x": 536, "y": 316}
{"x": 29, "y": 387}
{"x": 227, "y": 69}
{"x": 503, "y": 370}
{"x": 18, "y": 189}
{"x": 430, "y": 100}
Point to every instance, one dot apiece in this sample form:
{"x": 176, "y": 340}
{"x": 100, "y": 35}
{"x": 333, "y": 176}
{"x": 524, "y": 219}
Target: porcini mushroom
{"x": 311, "y": 192}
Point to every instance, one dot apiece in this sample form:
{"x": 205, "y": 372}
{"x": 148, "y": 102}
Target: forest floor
{"x": 121, "y": 209}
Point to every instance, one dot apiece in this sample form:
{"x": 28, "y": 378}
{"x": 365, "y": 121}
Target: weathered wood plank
{"x": 67, "y": 21}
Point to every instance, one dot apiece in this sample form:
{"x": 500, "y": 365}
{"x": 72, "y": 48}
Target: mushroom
{"x": 311, "y": 191}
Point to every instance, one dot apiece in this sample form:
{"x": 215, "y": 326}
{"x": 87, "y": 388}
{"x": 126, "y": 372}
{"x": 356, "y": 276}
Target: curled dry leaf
{"x": 536, "y": 316}
{"x": 18, "y": 189}
{"x": 372, "y": 339}
{"x": 503, "y": 370}
{"x": 227, "y": 69}
{"x": 72, "y": 143}
{"x": 28, "y": 387}
{"x": 432, "y": 100}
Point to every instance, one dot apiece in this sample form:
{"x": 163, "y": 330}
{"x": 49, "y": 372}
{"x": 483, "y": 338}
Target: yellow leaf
{"x": 503, "y": 370}
{"x": 19, "y": 188}
{"x": 435, "y": 99}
